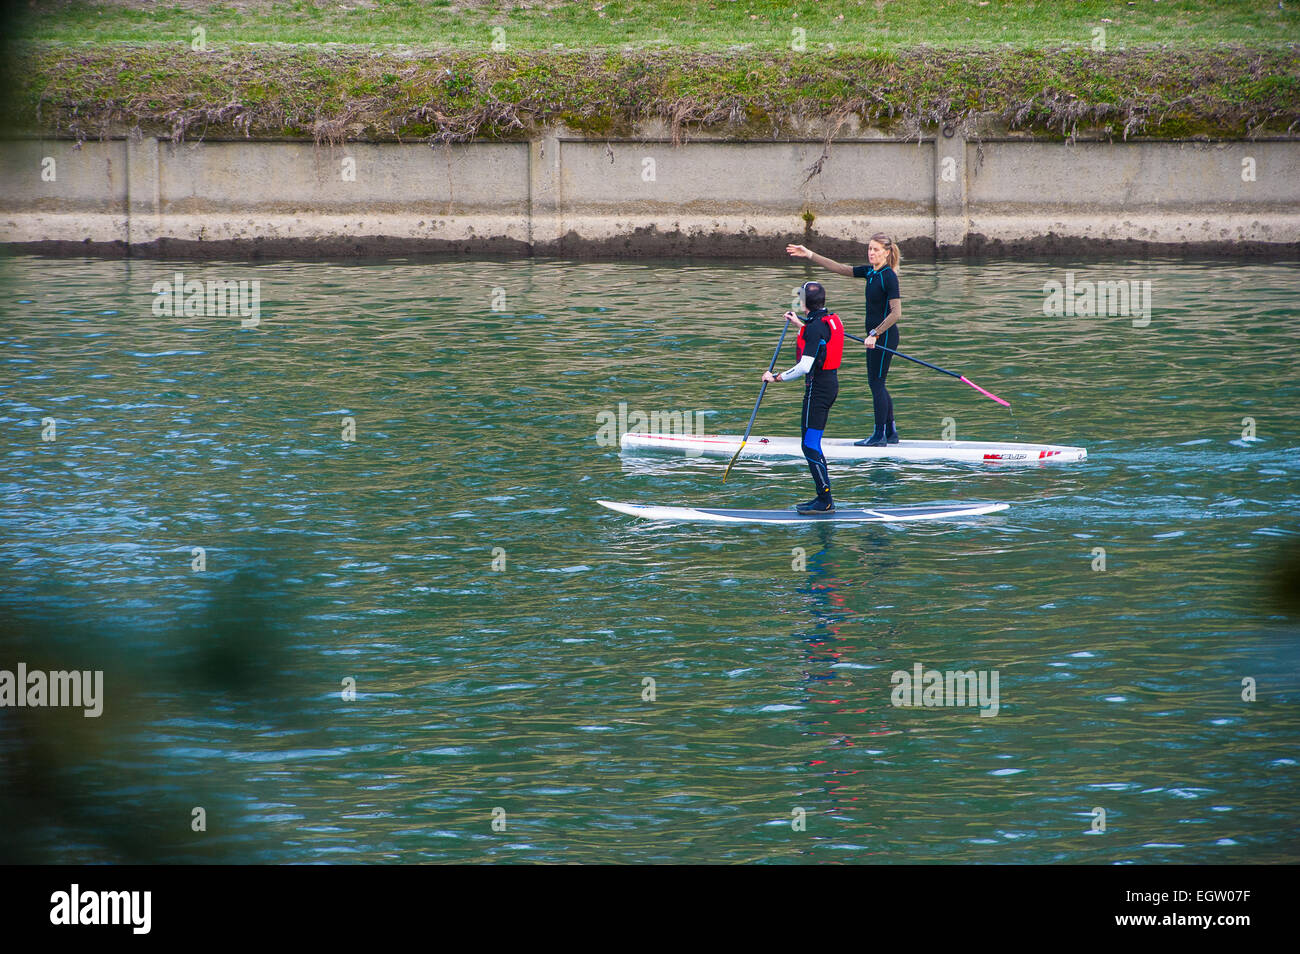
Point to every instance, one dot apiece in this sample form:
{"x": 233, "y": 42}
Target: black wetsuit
{"x": 821, "y": 388}
{"x": 882, "y": 287}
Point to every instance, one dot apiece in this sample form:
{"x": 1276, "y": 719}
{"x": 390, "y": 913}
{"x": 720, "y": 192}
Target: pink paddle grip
{"x": 985, "y": 393}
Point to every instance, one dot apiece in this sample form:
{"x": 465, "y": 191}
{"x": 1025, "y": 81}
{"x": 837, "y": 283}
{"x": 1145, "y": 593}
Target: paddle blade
{"x": 993, "y": 397}
{"x": 734, "y": 458}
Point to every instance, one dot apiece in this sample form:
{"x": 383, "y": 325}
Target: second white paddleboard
{"x": 724, "y": 445}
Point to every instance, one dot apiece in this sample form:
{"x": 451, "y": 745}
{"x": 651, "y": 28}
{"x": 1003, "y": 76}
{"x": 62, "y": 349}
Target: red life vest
{"x": 834, "y": 347}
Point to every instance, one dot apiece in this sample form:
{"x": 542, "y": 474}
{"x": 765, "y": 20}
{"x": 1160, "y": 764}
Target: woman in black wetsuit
{"x": 884, "y": 310}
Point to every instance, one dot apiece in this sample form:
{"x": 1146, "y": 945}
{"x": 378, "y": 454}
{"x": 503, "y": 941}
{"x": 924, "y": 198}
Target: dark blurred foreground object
{"x": 105, "y": 789}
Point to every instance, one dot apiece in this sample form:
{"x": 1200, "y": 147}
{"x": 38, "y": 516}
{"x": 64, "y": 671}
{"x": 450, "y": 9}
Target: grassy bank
{"x": 703, "y": 25}
{"x": 428, "y": 70}
{"x": 336, "y": 94}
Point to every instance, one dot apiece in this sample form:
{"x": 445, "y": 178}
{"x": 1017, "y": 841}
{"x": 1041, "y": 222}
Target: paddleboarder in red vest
{"x": 819, "y": 348}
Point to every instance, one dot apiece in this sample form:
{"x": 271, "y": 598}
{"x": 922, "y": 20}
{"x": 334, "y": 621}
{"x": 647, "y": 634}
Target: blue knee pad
{"x": 812, "y": 444}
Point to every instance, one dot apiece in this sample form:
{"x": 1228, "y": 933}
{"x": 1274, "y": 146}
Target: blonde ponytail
{"x": 893, "y": 255}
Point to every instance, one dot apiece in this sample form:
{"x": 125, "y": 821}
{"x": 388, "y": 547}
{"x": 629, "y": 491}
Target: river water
{"x": 428, "y": 643}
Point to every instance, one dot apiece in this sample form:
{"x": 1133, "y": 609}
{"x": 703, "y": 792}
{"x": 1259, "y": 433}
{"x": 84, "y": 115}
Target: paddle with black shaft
{"x": 750, "y": 426}
{"x": 954, "y": 374}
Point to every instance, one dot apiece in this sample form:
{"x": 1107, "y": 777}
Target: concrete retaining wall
{"x": 566, "y": 195}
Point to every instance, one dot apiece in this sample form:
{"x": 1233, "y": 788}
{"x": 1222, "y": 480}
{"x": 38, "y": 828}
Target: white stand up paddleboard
{"x": 873, "y": 515}
{"x": 724, "y": 445}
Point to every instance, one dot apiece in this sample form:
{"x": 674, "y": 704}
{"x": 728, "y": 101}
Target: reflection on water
{"x": 771, "y": 648}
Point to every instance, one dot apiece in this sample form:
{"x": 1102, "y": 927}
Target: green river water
{"x": 503, "y": 713}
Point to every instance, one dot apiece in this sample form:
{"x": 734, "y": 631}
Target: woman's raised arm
{"x": 802, "y": 251}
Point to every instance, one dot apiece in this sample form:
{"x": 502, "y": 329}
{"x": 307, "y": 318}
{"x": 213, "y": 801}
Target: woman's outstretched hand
{"x": 799, "y": 251}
